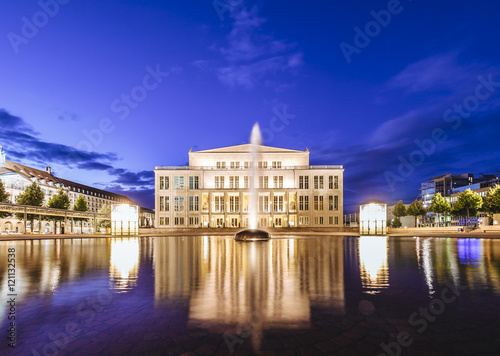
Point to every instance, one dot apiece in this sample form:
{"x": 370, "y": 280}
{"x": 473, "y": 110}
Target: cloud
{"x": 251, "y": 58}
{"x": 21, "y": 144}
{"x": 442, "y": 72}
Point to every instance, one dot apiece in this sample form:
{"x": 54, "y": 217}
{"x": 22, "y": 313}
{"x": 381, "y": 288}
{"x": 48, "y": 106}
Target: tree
{"x": 491, "y": 202}
{"x": 58, "y": 201}
{"x": 32, "y": 196}
{"x": 105, "y": 209}
{"x": 439, "y": 205}
{"x": 468, "y": 204}
{"x": 80, "y": 205}
{"x": 4, "y": 198}
{"x": 416, "y": 209}
{"x": 399, "y": 209}
{"x": 396, "y": 222}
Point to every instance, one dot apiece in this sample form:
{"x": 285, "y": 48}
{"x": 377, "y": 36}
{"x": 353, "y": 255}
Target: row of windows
{"x": 195, "y": 221}
{"x": 234, "y": 182}
{"x": 333, "y": 203}
{"x": 246, "y": 165}
{"x": 319, "y": 220}
{"x": 193, "y": 182}
{"x": 318, "y": 203}
{"x": 318, "y": 181}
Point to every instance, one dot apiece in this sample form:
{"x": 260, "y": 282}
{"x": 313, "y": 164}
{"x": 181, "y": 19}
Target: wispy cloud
{"x": 250, "y": 57}
{"x": 23, "y": 145}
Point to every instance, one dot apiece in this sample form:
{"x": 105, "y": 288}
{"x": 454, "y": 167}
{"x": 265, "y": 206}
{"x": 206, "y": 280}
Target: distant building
{"x": 443, "y": 184}
{"x": 17, "y": 177}
{"x": 213, "y": 191}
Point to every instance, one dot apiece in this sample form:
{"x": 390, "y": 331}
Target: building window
{"x": 179, "y": 182}
{"x": 303, "y": 202}
{"x": 303, "y": 182}
{"x": 336, "y": 220}
{"x": 336, "y": 202}
{"x": 219, "y": 182}
{"x": 179, "y": 204}
{"x": 194, "y": 203}
{"x": 316, "y": 220}
{"x": 264, "y": 182}
{"x": 318, "y": 202}
{"x": 221, "y": 165}
{"x": 277, "y": 164}
{"x": 336, "y": 185}
{"x": 278, "y": 203}
{"x": 194, "y": 221}
{"x": 164, "y": 221}
{"x": 246, "y": 165}
{"x": 194, "y": 182}
{"x": 234, "y": 182}
{"x": 246, "y": 182}
{"x": 235, "y": 165}
{"x": 162, "y": 183}
{"x": 330, "y": 220}
{"x": 318, "y": 182}
{"x": 330, "y": 182}
{"x": 303, "y": 220}
{"x": 330, "y": 202}
{"x": 179, "y": 221}
{"x": 263, "y": 164}
{"x": 278, "y": 182}
{"x": 234, "y": 204}
{"x": 219, "y": 204}
{"x": 263, "y": 203}
{"x": 162, "y": 203}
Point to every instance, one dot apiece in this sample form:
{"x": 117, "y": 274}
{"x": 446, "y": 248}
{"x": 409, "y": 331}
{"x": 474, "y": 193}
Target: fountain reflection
{"x": 124, "y": 263}
{"x": 373, "y": 263}
{"x": 272, "y": 285}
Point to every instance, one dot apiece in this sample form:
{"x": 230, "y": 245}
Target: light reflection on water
{"x": 278, "y": 284}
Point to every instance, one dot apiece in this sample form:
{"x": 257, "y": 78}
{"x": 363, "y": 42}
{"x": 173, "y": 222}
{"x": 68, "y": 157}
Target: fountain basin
{"x": 252, "y": 235}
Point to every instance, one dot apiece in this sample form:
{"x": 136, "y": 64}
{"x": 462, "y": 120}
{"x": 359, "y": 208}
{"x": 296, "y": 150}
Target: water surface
{"x": 211, "y": 295}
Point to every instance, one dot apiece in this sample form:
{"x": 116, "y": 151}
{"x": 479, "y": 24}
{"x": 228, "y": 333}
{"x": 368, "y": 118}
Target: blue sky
{"x": 105, "y": 91}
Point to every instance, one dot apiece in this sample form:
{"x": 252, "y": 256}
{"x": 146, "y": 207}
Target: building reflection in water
{"x": 124, "y": 263}
{"x": 373, "y": 263}
{"x": 265, "y": 285}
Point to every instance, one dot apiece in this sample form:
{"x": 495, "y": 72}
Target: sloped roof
{"x": 245, "y": 148}
{"x": 29, "y": 173}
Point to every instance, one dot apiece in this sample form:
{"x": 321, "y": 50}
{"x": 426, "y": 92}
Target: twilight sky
{"x": 104, "y": 91}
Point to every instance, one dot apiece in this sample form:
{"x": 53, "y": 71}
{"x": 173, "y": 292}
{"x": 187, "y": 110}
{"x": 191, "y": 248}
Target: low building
{"x": 17, "y": 177}
{"x": 213, "y": 191}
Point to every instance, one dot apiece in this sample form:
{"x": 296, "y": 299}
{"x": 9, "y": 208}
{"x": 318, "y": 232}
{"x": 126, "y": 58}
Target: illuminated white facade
{"x": 213, "y": 190}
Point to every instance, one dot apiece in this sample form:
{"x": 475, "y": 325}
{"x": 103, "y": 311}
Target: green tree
{"x": 80, "y": 205}
{"x": 439, "y": 205}
{"x": 58, "y": 201}
{"x": 468, "y": 204}
{"x": 396, "y": 222}
{"x": 399, "y": 210}
{"x": 105, "y": 209}
{"x": 32, "y": 196}
{"x": 416, "y": 209}
{"x": 491, "y": 202}
{"x": 4, "y": 198}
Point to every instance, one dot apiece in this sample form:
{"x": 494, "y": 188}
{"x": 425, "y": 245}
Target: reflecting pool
{"x": 211, "y": 295}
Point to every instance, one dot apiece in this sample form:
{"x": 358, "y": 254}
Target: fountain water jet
{"x": 253, "y": 234}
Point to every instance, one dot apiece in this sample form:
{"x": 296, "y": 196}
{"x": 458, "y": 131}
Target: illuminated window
{"x": 178, "y": 203}
{"x": 234, "y": 204}
{"x": 218, "y": 204}
{"x": 245, "y": 179}
{"x": 278, "y": 203}
{"x": 194, "y": 182}
{"x": 336, "y": 202}
{"x": 263, "y": 203}
{"x": 219, "y": 182}
{"x": 179, "y": 182}
{"x": 276, "y": 164}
